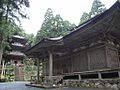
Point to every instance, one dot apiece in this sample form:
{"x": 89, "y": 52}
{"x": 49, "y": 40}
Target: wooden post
{"x": 99, "y": 75}
{"x": 119, "y": 73}
{"x": 79, "y": 77}
{"x": 50, "y": 65}
{"x": 38, "y": 70}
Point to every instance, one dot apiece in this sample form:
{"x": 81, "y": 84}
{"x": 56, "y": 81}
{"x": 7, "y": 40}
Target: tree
{"x": 53, "y": 26}
{"x": 85, "y": 16}
{"x": 61, "y": 27}
{"x": 97, "y": 8}
{"x": 10, "y": 10}
{"x": 46, "y": 25}
{"x": 67, "y": 27}
{"x": 30, "y": 39}
{"x": 29, "y": 68}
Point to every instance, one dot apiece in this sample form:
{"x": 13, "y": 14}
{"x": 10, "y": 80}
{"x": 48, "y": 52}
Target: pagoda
{"x": 16, "y": 56}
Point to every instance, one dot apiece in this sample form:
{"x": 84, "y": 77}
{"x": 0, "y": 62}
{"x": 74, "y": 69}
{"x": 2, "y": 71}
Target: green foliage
{"x": 14, "y": 29}
{"x": 29, "y": 69}
{"x": 10, "y": 11}
{"x": 53, "y": 26}
{"x": 84, "y": 17}
{"x": 30, "y": 39}
{"x": 97, "y": 8}
{"x": 10, "y": 28}
{"x": 10, "y": 73}
{"x": 46, "y": 26}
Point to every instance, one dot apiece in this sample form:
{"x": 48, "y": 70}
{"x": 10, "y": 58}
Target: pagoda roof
{"x": 18, "y": 39}
{"x": 14, "y": 55}
{"x": 17, "y": 36}
{"x": 18, "y": 44}
{"x": 104, "y": 23}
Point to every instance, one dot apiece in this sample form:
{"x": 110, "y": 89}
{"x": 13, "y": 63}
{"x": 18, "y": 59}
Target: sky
{"x": 70, "y": 10}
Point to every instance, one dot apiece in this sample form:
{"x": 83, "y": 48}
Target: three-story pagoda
{"x": 16, "y": 55}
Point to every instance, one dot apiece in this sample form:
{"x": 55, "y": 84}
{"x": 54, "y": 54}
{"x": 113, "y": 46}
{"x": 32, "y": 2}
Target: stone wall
{"x": 109, "y": 84}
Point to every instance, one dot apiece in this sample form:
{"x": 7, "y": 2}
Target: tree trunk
{"x": 1, "y": 53}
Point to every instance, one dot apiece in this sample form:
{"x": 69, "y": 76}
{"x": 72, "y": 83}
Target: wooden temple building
{"x": 16, "y": 56}
{"x": 90, "y": 51}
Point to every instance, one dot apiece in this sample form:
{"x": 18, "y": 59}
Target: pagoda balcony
{"x": 18, "y": 44}
{"x": 18, "y": 47}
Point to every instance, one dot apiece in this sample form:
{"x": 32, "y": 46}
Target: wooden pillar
{"x": 38, "y": 70}
{"x": 79, "y": 77}
{"x": 119, "y": 73}
{"x": 50, "y": 65}
{"x": 99, "y": 75}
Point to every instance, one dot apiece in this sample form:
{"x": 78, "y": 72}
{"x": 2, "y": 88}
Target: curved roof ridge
{"x": 54, "y": 39}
